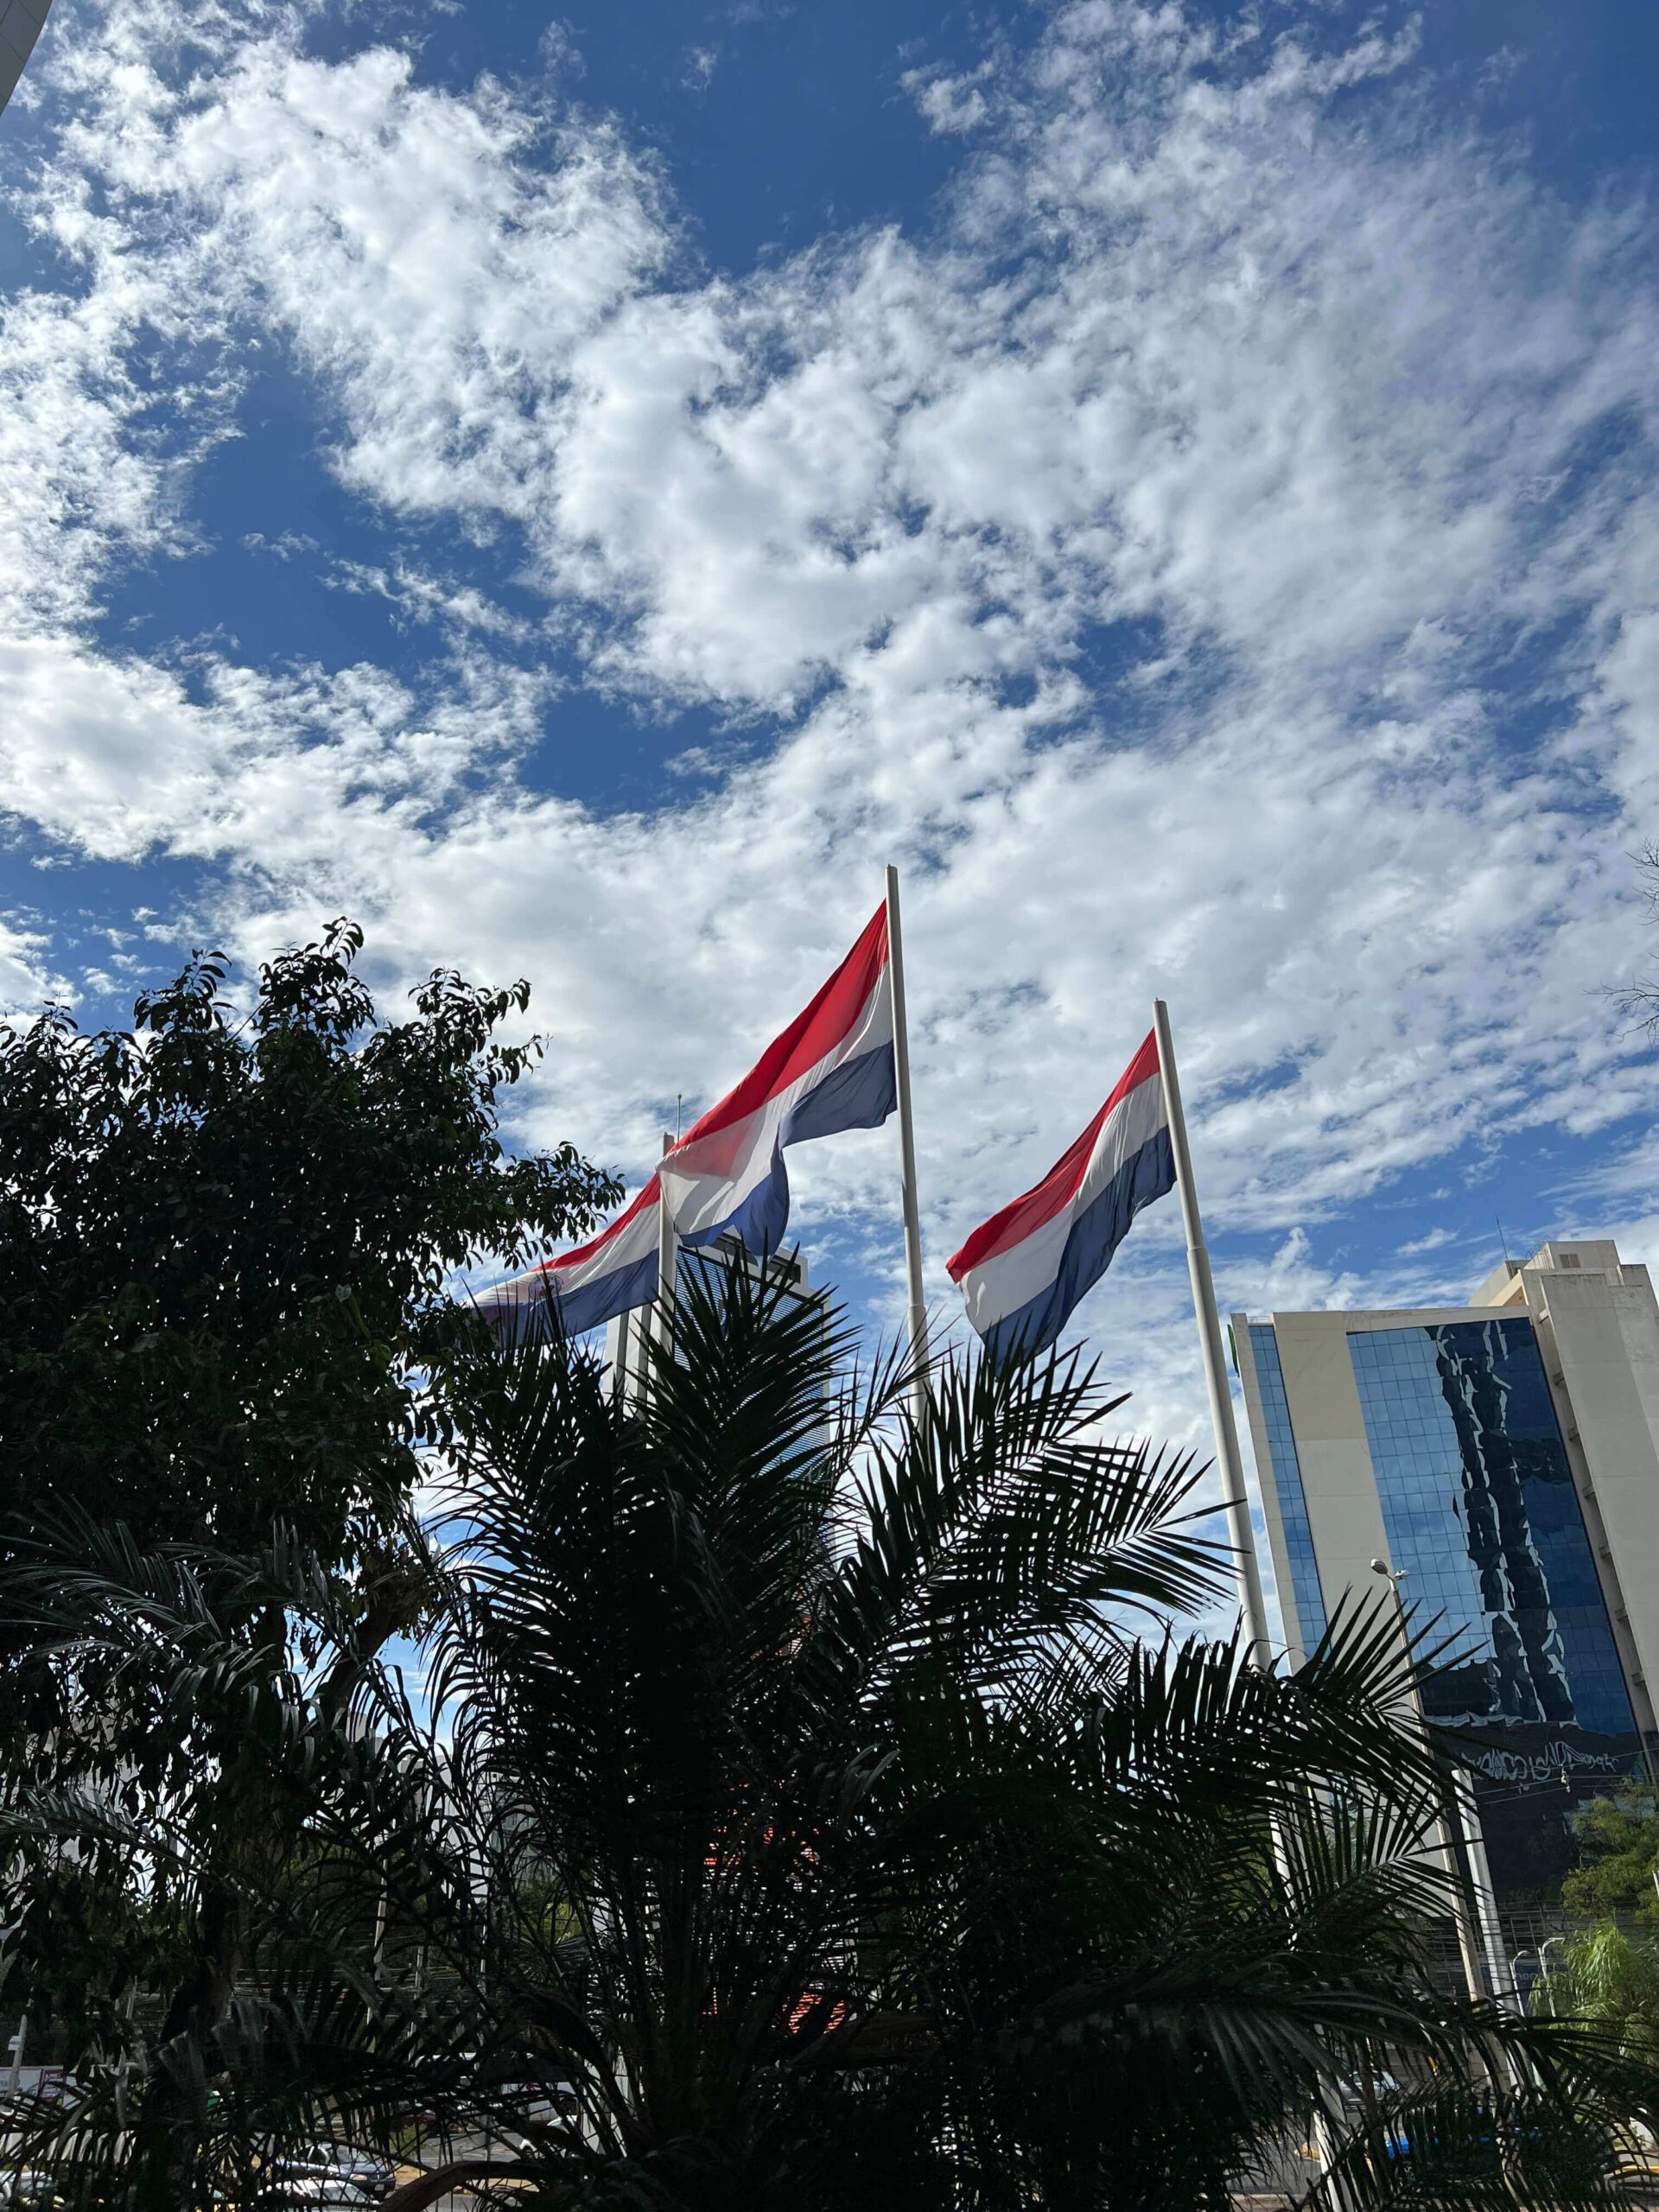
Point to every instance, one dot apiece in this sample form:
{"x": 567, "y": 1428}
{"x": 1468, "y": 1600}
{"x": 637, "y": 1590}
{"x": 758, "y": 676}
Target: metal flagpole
{"x": 917, "y": 1308}
{"x": 1251, "y": 1604}
{"x": 668, "y": 1258}
{"x": 624, "y": 1344}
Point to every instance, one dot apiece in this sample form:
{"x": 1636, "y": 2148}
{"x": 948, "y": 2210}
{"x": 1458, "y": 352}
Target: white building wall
{"x": 1597, "y": 1327}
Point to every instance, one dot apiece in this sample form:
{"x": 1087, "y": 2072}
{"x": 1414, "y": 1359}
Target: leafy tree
{"x": 1618, "y": 1837}
{"x": 224, "y": 1240}
{"x": 811, "y": 1786}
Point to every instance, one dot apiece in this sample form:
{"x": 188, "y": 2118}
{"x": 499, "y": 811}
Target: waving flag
{"x": 613, "y": 1271}
{"x": 832, "y": 1070}
{"x": 1023, "y": 1271}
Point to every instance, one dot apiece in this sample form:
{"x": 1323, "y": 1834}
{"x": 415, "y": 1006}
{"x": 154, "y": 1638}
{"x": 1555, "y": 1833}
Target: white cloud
{"x": 436, "y": 260}
{"x": 952, "y": 101}
{"x": 1161, "y": 557}
{"x": 26, "y": 981}
{"x": 79, "y": 481}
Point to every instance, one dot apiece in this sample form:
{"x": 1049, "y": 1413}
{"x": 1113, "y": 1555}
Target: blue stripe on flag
{"x": 1095, "y": 1236}
{"x": 525, "y": 1320}
{"x": 858, "y": 1095}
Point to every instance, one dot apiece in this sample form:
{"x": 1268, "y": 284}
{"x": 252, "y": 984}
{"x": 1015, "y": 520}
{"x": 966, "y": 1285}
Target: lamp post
{"x": 1544, "y": 1969}
{"x": 1468, "y": 1946}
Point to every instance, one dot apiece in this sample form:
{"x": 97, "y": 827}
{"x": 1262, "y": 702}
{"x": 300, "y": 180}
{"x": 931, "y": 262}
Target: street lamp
{"x": 1470, "y": 1844}
{"x": 1544, "y": 1969}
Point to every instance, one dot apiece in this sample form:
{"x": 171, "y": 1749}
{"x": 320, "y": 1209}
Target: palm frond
{"x": 818, "y": 1785}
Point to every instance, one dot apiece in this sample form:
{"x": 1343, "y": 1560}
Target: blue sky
{"x": 581, "y": 493}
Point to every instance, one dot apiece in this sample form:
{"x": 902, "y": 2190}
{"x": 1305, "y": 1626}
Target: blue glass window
{"x": 1286, "y": 1470}
{"x": 1479, "y": 1507}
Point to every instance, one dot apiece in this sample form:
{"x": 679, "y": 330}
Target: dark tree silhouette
{"x": 225, "y": 1242}
{"x": 803, "y": 1804}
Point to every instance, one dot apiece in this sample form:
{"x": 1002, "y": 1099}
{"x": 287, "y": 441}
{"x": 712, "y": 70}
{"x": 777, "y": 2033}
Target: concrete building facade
{"x": 1504, "y": 1454}
{"x": 20, "y": 24}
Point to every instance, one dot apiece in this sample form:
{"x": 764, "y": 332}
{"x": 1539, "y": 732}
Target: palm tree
{"x": 807, "y": 1801}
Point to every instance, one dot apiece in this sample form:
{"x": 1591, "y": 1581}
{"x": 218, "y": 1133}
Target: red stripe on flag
{"x": 1023, "y": 1216}
{"x": 817, "y": 1029}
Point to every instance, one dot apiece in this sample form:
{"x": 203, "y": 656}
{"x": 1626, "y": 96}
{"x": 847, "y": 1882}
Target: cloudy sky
{"x": 580, "y": 493}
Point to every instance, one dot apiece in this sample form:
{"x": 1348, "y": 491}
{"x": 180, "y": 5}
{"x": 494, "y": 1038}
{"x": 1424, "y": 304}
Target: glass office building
{"x": 1478, "y": 1505}
{"x": 1448, "y": 1444}
{"x": 1302, "y": 1567}
{"x": 20, "y": 24}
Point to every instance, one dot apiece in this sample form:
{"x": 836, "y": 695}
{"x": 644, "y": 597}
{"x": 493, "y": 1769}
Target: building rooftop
{"x": 1589, "y": 1255}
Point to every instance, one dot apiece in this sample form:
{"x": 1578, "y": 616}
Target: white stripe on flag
{"x": 708, "y": 1181}
{"x": 1009, "y": 1281}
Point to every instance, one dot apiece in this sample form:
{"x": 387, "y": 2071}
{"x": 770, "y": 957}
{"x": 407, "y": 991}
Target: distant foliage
{"x": 1618, "y": 1840}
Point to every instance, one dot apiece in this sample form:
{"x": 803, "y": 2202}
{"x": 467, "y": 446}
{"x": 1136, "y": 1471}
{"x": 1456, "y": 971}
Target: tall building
{"x": 21, "y": 22}
{"x": 1505, "y": 1455}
